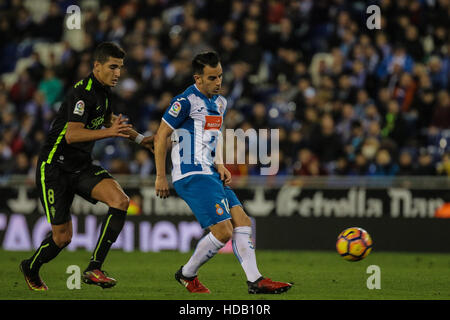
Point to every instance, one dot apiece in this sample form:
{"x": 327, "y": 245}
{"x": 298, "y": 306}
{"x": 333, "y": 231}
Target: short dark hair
{"x": 209, "y": 58}
{"x": 108, "y": 49}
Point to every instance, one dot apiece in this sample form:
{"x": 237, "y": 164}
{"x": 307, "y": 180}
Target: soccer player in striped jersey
{"x": 193, "y": 121}
{"x": 65, "y": 167}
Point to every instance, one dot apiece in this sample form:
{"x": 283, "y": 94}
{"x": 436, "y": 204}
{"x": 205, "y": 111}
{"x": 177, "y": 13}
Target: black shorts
{"x": 57, "y": 188}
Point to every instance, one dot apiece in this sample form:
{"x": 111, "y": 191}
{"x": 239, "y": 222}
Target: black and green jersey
{"x": 89, "y": 102}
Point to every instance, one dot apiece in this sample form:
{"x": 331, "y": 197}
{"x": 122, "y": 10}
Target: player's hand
{"x": 148, "y": 143}
{"x": 162, "y": 187}
{"x": 120, "y": 127}
{"x": 225, "y": 174}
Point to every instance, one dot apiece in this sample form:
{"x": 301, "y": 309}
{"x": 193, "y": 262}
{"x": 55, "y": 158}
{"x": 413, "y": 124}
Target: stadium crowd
{"x": 347, "y": 100}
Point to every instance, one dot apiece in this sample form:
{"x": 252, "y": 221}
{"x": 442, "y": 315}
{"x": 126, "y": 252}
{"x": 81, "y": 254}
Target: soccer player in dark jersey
{"x": 65, "y": 167}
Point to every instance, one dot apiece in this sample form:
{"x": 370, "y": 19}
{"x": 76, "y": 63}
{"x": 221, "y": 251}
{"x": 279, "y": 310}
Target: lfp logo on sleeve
{"x": 79, "y": 108}
{"x": 175, "y": 109}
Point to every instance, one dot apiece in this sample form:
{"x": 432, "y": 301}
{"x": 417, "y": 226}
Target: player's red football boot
{"x": 34, "y": 281}
{"x": 263, "y": 285}
{"x": 99, "y": 278}
{"x": 192, "y": 284}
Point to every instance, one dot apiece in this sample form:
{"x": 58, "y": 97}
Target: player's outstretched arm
{"x": 76, "y": 132}
{"x": 133, "y": 135}
{"x": 160, "y": 141}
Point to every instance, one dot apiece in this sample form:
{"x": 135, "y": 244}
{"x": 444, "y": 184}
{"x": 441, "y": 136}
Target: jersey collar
{"x": 203, "y": 96}
{"x": 97, "y": 83}
{"x": 209, "y": 102}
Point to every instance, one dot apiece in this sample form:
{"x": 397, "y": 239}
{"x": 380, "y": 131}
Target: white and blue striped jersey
{"x": 196, "y": 121}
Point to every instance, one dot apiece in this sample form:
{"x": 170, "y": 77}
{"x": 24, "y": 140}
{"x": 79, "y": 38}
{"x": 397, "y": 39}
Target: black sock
{"x": 110, "y": 230}
{"x": 47, "y": 251}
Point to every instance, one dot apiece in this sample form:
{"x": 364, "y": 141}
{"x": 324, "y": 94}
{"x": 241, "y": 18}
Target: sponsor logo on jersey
{"x": 213, "y": 122}
{"x": 96, "y": 123}
{"x": 175, "y": 109}
{"x": 79, "y": 108}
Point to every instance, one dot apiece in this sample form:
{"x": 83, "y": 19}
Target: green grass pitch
{"x": 316, "y": 275}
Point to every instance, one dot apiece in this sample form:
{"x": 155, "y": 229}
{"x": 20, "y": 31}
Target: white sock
{"x": 245, "y": 252}
{"x": 206, "y": 248}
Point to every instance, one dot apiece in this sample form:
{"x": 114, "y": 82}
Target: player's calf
{"x": 109, "y": 232}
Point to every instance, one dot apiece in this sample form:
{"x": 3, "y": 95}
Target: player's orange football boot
{"x": 192, "y": 284}
{"x": 99, "y": 278}
{"x": 34, "y": 281}
{"x": 263, "y": 285}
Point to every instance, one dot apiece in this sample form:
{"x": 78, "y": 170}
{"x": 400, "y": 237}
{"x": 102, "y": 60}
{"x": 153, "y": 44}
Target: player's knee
{"x": 223, "y": 234}
{"x": 227, "y": 235}
{"x": 245, "y": 221}
{"x": 121, "y": 202}
{"x": 224, "y": 237}
{"x": 62, "y": 239}
{"x": 240, "y": 218}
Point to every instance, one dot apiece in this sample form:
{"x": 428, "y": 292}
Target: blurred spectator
{"x": 51, "y": 28}
{"x": 259, "y": 117}
{"x": 39, "y": 110}
{"x": 394, "y": 126}
{"x": 325, "y": 141}
{"x": 424, "y": 103}
{"x": 23, "y": 90}
{"x": 36, "y": 68}
{"x": 342, "y": 166}
{"x": 354, "y": 141}
{"x": 142, "y": 165}
{"x": 51, "y": 87}
{"x": 396, "y": 62}
{"x": 6, "y": 158}
{"x": 369, "y": 148}
{"x": 5, "y": 104}
{"x": 425, "y": 165}
{"x": 438, "y": 75}
{"x": 21, "y": 164}
{"x": 412, "y": 43}
{"x": 360, "y": 165}
{"x": 441, "y": 114}
{"x": 250, "y": 51}
{"x": 405, "y": 163}
{"x": 362, "y": 101}
{"x": 443, "y": 167}
{"x": 384, "y": 164}
{"x": 307, "y": 164}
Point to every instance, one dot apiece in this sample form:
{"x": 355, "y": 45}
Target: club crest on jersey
{"x": 213, "y": 122}
{"x": 221, "y": 108}
{"x": 219, "y": 210}
{"x": 79, "y": 108}
{"x": 175, "y": 109}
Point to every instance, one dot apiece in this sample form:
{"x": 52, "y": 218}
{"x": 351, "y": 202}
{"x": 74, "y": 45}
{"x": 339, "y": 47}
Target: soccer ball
{"x": 354, "y": 244}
